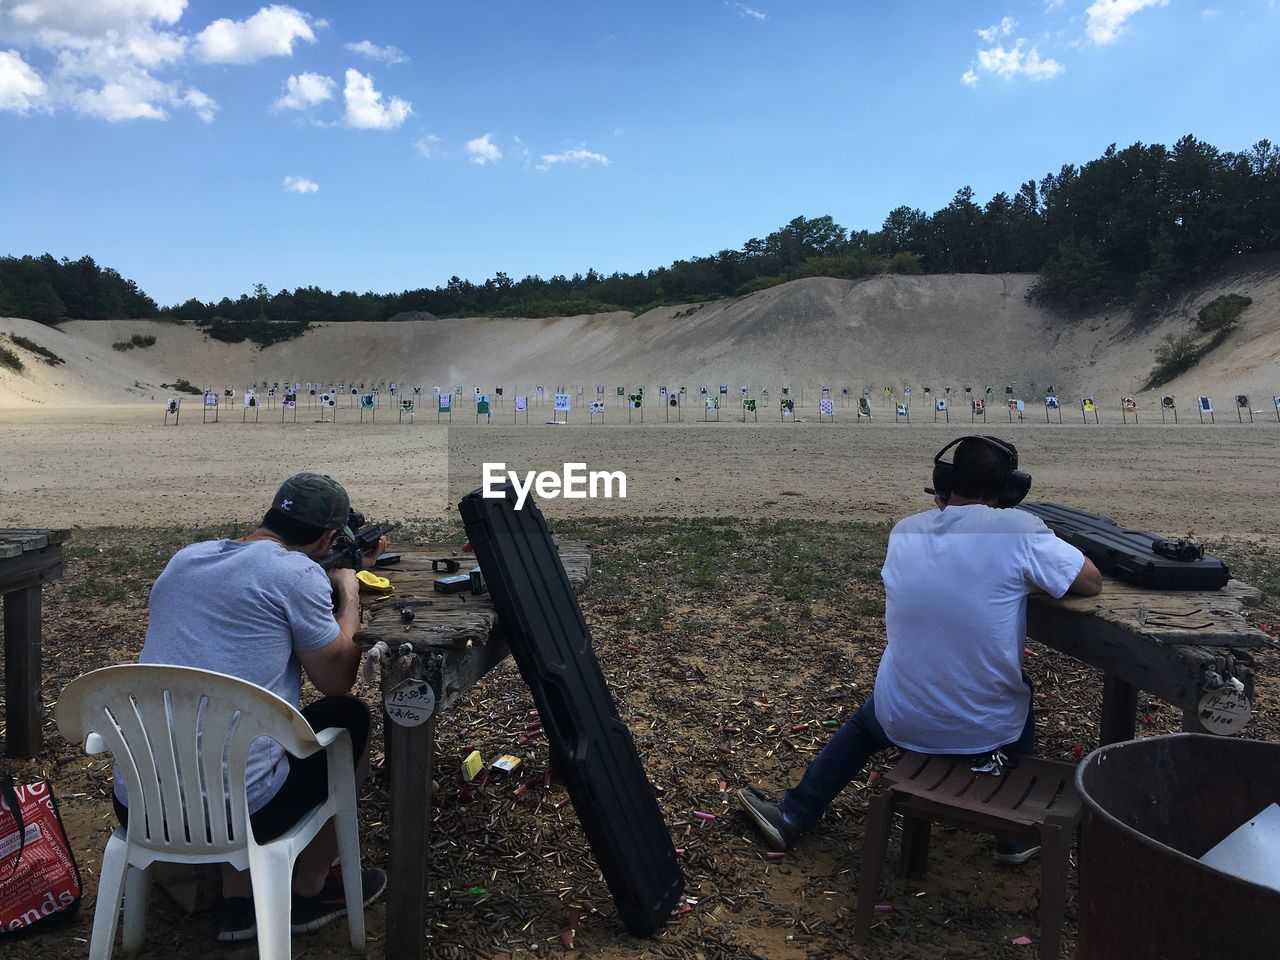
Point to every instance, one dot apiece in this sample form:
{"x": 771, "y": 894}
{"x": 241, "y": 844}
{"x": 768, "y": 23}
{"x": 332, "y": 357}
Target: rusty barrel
{"x": 1151, "y": 808}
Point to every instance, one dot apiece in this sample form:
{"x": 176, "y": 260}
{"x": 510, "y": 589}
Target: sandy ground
{"x": 58, "y": 469}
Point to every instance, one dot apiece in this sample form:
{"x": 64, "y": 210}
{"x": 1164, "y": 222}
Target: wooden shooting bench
{"x": 28, "y": 560}
{"x": 454, "y": 642}
{"x": 1174, "y": 644}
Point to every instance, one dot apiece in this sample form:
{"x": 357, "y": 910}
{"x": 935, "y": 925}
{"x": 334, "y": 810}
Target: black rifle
{"x": 348, "y": 552}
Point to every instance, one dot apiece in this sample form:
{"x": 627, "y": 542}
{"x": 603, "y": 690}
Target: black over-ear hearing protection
{"x": 1013, "y": 487}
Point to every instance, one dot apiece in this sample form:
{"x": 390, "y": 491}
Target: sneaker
{"x": 235, "y": 920}
{"x": 1013, "y": 853}
{"x": 312, "y": 913}
{"x": 777, "y": 830}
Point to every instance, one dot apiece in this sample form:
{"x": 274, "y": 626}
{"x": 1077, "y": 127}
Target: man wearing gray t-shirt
{"x": 956, "y": 583}
{"x": 261, "y": 608}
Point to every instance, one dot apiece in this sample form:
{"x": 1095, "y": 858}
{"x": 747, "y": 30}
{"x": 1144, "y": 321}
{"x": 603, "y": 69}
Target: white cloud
{"x": 483, "y": 150}
{"x": 271, "y": 32}
{"x": 91, "y": 16}
{"x": 201, "y": 103}
{"x": 365, "y": 109}
{"x": 750, "y": 12}
{"x": 121, "y": 101}
{"x": 21, "y": 88}
{"x": 388, "y": 55}
{"x": 1052, "y": 5}
{"x": 1010, "y": 62}
{"x": 995, "y": 31}
{"x": 305, "y": 90}
{"x": 1106, "y": 19}
{"x": 1210, "y": 13}
{"x": 104, "y": 56}
{"x": 300, "y": 185}
{"x": 580, "y": 156}
{"x": 426, "y": 144}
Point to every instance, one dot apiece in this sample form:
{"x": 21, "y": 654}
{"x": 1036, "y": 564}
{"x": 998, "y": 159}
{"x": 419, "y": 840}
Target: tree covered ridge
{"x": 50, "y": 291}
{"x": 1129, "y": 228}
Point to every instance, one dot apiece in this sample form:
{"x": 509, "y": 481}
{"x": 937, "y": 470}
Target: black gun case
{"x": 592, "y": 748}
{"x": 1128, "y": 554}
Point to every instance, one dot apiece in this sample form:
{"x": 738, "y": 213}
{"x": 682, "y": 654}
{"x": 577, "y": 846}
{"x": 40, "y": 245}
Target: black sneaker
{"x": 235, "y": 920}
{"x": 312, "y": 913}
{"x": 776, "y": 829}
{"x": 1014, "y": 853}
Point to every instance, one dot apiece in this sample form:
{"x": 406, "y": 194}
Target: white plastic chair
{"x": 181, "y": 737}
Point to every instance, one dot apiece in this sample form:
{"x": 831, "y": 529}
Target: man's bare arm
{"x": 1088, "y": 582}
{"x": 333, "y": 667}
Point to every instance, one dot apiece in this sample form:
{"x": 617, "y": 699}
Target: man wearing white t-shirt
{"x": 956, "y": 583}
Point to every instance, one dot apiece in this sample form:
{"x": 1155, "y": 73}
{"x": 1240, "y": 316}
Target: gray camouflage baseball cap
{"x": 314, "y": 498}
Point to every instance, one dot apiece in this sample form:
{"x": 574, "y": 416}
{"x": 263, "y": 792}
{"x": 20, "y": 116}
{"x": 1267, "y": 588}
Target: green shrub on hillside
{"x": 759, "y": 283}
{"x": 142, "y": 340}
{"x": 182, "y": 386}
{"x": 1175, "y": 355}
{"x": 262, "y": 332}
{"x": 1222, "y": 313}
{"x": 906, "y": 262}
{"x": 49, "y": 357}
{"x": 9, "y": 359}
{"x": 537, "y": 309}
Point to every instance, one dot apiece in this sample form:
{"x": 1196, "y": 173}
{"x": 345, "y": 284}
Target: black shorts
{"x": 307, "y": 783}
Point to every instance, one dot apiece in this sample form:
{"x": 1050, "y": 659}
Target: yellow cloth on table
{"x": 372, "y": 581}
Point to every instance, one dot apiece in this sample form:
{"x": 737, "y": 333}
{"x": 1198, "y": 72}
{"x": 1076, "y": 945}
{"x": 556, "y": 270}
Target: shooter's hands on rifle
{"x": 346, "y": 587}
{"x": 372, "y": 556}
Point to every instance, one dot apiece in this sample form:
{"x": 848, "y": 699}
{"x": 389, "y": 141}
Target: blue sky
{"x": 202, "y": 147}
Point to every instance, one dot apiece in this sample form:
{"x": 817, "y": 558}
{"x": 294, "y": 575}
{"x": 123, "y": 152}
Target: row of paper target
{"x": 563, "y": 402}
{"x": 288, "y": 401}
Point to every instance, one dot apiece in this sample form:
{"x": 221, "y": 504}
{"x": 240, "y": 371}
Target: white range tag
{"x": 410, "y": 703}
{"x": 1224, "y": 711}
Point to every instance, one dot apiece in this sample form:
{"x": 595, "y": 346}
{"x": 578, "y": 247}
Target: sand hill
{"x": 949, "y": 329}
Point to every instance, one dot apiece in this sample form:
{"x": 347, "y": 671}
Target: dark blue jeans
{"x": 848, "y": 752}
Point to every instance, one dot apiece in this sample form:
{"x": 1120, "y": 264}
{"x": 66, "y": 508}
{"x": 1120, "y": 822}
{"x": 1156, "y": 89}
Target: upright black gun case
{"x": 1128, "y": 554}
{"x": 593, "y": 749}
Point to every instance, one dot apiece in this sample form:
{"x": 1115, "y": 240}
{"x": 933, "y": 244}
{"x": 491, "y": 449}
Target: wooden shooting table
{"x": 1174, "y": 644}
{"x": 28, "y": 560}
{"x": 452, "y": 643}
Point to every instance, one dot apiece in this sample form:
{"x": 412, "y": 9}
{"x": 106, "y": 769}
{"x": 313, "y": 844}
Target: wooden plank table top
{"x": 1177, "y": 645}
{"x": 450, "y": 644}
{"x": 452, "y": 619}
{"x": 28, "y": 560}
{"x": 1211, "y": 618}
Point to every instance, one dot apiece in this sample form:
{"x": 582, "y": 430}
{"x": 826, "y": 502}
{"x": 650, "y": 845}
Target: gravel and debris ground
{"x": 733, "y": 648}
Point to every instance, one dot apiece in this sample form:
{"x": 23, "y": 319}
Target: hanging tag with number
{"x": 410, "y": 703}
